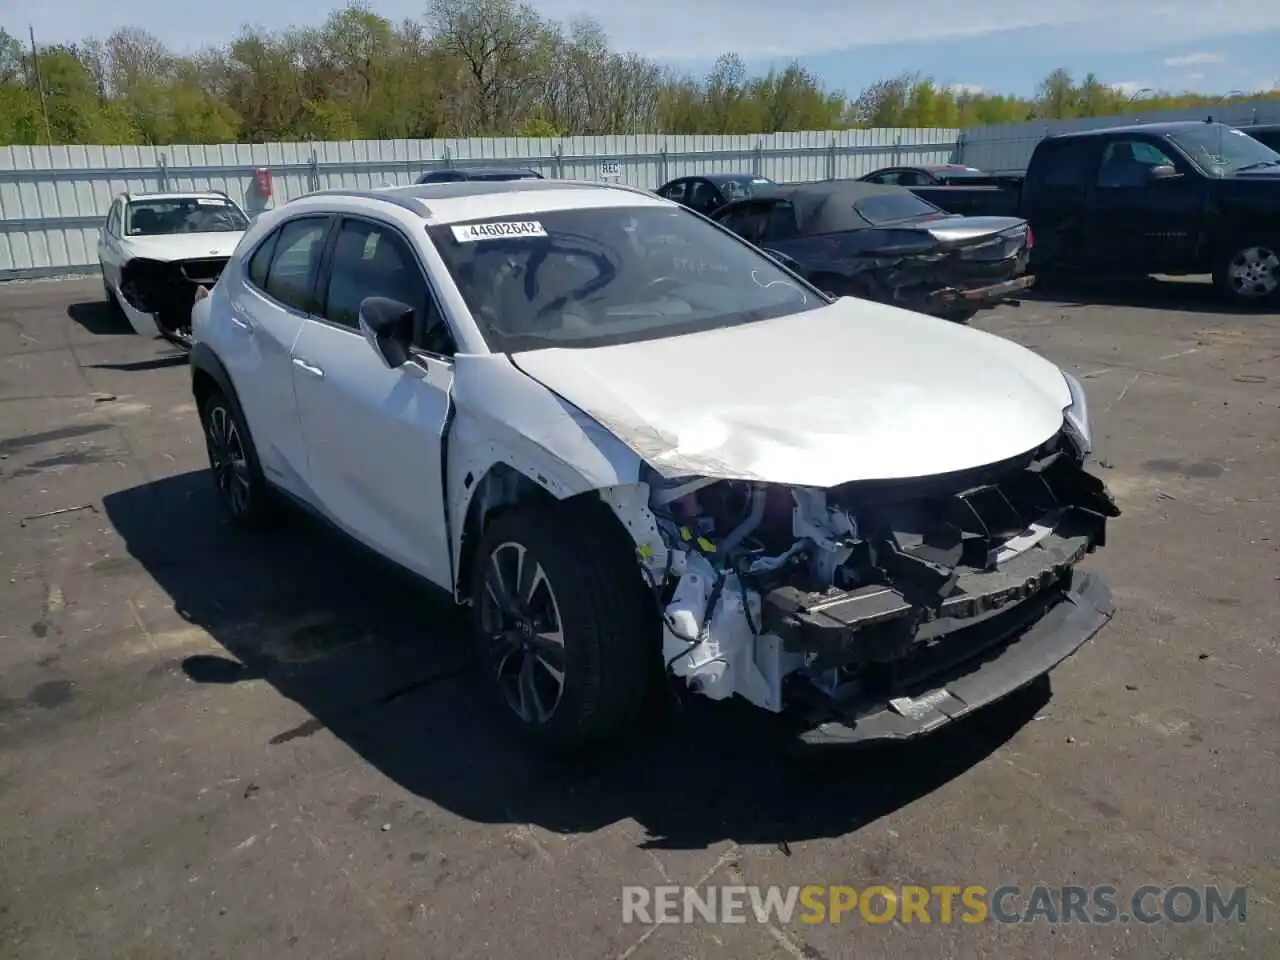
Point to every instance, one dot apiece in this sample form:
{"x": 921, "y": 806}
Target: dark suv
{"x": 456, "y": 174}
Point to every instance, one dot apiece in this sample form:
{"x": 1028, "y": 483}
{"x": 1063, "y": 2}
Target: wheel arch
{"x": 503, "y": 488}
{"x": 209, "y": 374}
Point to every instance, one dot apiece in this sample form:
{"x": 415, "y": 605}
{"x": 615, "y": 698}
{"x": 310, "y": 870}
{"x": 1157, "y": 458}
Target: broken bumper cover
{"x": 1005, "y": 653}
{"x": 951, "y": 297}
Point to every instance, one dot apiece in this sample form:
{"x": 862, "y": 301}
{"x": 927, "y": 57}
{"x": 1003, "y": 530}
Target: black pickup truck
{"x": 1174, "y": 198}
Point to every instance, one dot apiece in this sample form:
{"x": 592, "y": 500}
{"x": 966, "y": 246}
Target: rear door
{"x": 1055, "y": 196}
{"x": 374, "y": 436}
{"x": 109, "y": 243}
{"x": 268, "y": 307}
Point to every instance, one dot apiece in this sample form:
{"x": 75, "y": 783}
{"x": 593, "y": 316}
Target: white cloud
{"x": 676, "y": 29}
{"x": 1194, "y": 60}
{"x": 1131, "y": 88}
{"x": 972, "y": 89}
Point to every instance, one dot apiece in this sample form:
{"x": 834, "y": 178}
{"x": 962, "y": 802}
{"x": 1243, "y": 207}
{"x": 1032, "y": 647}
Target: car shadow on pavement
{"x": 381, "y": 662}
{"x": 99, "y": 318}
{"x": 1189, "y": 296}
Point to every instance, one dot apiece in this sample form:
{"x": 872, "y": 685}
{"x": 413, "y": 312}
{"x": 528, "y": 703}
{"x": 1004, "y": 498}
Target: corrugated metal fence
{"x": 54, "y": 199}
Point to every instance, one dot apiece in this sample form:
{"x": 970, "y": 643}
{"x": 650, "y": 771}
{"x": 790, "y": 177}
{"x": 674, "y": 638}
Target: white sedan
{"x": 642, "y": 451}
{"x": 157, "y": 249}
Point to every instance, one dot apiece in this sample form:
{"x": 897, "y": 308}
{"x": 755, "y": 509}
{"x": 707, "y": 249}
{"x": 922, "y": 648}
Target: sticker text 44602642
{"x": 471, "y": 232}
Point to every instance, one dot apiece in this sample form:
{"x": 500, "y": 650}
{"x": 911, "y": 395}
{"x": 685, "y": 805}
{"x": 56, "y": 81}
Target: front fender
{"x": 503, "y": 417}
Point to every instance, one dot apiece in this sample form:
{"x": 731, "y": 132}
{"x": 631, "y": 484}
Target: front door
{"x": 1139, "y": 226}
{"x": 375, "y": 435}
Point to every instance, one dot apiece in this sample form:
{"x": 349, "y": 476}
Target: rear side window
{"x": 296, "y": 252}
{"x": 676, "y": 191}
{"x": 892, "y": 207}
{"x": 1064, "y": 164}
{"x": 261, "y": 261}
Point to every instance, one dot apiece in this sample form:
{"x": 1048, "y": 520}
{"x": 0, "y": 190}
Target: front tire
{"x": 113, "y": 305}
{"x": 1248, "y": 273}
{"x": 233, "y": 461}
{"x": 564, "y": 631}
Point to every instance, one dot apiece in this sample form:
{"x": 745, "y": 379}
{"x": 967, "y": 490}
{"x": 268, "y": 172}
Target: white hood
{"x": 181, "y": 246}
{"x": 851, "y": 391}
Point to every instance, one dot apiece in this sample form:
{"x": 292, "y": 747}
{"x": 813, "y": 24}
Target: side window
{"x": 297, "y": 250}
{"x": 914, "y": 178}
{"x": 781, "y": 224}
{"x": 113, "y": 220}
{"x": 1125, "y": 163}
{"x": 261, "y": 260}
{"x": 1063, "y": 164}
{"x": 704, "y": 197}
{"x": 676, "y": 191}
{"x": 370, "y": 260}
{"x": 890, "y": 177}
{"x": 748, "y": 221}
{"x": 734, "y": 219}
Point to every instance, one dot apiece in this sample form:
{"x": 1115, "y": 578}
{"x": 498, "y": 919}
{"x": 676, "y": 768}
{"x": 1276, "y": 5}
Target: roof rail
{"x": 384, "y": 195}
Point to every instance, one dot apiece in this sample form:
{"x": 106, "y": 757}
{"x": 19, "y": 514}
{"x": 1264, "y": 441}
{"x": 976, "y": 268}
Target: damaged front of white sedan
{"x": 843, "y": 511}
{"x": 643, "y": 452}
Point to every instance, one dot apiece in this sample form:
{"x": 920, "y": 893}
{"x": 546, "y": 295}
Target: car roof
{"x": 478, "y": 199}
{"x": 485, "y": 171}
{"x": 1169, "y": 126}
{"x": 177, "y": 195}
{"x": 827, "y": 206}
{"x": 719, "y": 178}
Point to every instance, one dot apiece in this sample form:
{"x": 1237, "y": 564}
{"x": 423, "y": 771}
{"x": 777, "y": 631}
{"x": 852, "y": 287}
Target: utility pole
{"x": 35, "y": 70}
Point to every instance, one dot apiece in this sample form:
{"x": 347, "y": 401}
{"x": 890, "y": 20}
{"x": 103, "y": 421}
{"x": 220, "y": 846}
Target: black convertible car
{"x": 884, "y": 243}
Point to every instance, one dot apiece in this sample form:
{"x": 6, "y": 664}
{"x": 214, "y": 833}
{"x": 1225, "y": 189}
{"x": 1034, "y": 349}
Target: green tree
{"x": 472, "y": 68}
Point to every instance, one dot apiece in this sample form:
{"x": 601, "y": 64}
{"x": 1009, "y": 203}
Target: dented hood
{"x": 181, "y": 246}
{"x": 850, "y": 391}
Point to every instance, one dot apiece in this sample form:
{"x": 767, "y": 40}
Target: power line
{"x": 35, "y": 70}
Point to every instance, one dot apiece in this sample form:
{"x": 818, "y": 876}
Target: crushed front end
{"x": 881, "y": 610}
{"x": 167, "y": 290}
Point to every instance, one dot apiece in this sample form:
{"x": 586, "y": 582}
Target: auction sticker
{"x": 471, "y": 232}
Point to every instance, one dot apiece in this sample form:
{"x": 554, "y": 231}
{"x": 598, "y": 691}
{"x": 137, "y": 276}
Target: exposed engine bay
{"x": 167, "y": 289}
{"x": 860, "y": 597}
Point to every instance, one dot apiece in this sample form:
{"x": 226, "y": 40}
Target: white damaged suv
{"x": 640, "y": 449}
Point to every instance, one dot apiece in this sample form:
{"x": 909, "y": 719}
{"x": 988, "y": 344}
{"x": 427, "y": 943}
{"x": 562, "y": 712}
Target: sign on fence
{"x": 610, "y": 170}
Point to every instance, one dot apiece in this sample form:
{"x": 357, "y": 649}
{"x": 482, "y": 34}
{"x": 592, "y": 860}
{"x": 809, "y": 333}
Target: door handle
{"x": 308, "y": 367}
{"x": 244, "y": 325}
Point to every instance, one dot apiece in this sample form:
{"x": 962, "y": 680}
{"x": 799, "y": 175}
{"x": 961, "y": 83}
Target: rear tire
{"x": 563, "y": 627}
{"x": 1248, "y": 272}
{"x": 242, "y": 490}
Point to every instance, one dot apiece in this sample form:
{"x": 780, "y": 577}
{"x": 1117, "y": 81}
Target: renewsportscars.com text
{"x": 970, "y": 904}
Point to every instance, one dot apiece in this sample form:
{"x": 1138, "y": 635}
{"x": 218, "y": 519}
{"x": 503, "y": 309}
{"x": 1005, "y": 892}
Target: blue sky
{"x": 997, "y": 45}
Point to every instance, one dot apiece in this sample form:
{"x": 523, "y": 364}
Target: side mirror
{"x": 387, "y": 325}
{"x": 1162, "y": 173}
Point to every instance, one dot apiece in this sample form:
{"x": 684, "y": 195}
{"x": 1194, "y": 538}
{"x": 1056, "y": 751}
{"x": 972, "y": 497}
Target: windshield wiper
{"x": 1256, "y": 164}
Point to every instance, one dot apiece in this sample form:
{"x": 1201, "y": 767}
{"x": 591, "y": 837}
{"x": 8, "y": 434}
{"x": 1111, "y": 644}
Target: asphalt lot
{"x": 216, "y": 745}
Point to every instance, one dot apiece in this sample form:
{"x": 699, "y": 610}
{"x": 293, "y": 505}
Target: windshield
{"x": 606, "y": 275}
{"x": 744, "y": 188}
{"x": 894, "y": 207}
{"x": 1220, "y": 150}
{"x": 150, "y": 218}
